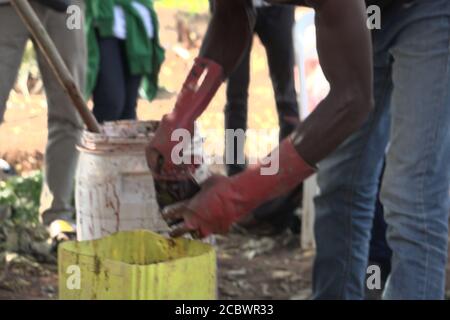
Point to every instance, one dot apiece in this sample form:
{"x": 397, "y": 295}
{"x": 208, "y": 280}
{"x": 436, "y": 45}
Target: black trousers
{"x": 274, "y": 26}
{"x": 116, "y": 91}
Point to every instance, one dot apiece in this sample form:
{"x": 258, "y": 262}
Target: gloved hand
{"x": 159, "y": 151}
{"x": 223, "y": 201}
{"x": 192, "y": 101}
{"x": 57, "y": 5}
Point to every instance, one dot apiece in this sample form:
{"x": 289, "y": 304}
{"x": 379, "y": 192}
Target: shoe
{"x": 60, "y": 231}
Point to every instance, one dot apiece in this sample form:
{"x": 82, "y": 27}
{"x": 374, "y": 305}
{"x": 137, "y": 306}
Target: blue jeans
{"x": 411, "y": 122}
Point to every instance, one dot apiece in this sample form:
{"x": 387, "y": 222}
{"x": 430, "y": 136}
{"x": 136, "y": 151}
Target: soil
{"x": 26, "y": 281}
{"x": 264, "y": 268}
{"x": 249, "y": 267}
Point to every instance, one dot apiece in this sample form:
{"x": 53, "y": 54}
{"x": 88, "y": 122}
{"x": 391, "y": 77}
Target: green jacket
{"x": 145, "y": 56}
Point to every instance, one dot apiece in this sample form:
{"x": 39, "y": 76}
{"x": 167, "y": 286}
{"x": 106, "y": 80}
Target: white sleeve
{"x": 120, "y": 27}
{"x": 146, "y": 17}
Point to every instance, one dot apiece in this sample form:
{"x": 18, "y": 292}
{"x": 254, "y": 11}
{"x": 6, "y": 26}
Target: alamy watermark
{"x": 75, "y": 17}
{"x": 73, "y": 281}
{"x": 373, "y": 17}
{"x": 227, "y": 148}
{"x": 373, "y": 280}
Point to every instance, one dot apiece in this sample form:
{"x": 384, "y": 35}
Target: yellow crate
{"x": 138, "y": 265}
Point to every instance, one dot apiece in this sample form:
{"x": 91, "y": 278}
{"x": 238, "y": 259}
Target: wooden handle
{"x": 55, "y": 61}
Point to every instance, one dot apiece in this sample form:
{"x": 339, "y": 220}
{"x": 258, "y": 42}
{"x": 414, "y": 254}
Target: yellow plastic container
{"x": 138, "y": 265}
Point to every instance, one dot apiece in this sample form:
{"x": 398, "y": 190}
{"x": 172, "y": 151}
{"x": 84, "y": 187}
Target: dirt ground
{"x": 249, "y": 267}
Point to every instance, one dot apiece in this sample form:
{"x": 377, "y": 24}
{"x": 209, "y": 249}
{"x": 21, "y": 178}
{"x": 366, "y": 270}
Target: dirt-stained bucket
{"x": 137, "y": 265}
{"x": 114, "y": 188}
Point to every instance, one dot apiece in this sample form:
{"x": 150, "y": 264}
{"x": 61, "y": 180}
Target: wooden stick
{"x": 55, "y": 61}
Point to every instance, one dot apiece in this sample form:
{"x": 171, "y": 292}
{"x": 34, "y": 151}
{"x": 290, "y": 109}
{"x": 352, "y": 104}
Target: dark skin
{"x": 345, "y": 54}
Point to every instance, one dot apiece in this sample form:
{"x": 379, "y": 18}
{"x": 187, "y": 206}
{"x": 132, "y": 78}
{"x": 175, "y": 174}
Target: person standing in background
{"x": 274, "y": 25}
{"x": 123, "y": 49}
{"x": 64, "y": 124}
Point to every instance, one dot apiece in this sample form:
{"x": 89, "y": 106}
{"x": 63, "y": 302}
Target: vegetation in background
{"x": 191, "y": 6}
{"x": 21, "y": 196}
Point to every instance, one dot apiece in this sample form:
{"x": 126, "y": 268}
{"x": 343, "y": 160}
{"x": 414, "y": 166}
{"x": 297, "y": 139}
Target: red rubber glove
{"x": 198, "y": 90}
{"x": 223, "y": 201}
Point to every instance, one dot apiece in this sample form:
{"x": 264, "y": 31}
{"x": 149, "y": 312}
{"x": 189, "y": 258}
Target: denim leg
{"x": 415, "y": 189}
{"x": 348, "y": 182}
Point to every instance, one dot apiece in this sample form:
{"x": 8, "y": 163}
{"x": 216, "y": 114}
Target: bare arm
{"x": 229, "y": 33}
{"x": 344, "y": 47}
{"x": 345, "y": 54}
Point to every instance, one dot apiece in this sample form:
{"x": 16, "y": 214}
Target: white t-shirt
{"x": 259, "y": 3}
{"x": 120, "y": 25}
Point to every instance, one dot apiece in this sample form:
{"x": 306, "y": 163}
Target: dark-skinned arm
{"x": 345, "y": 55}
{"x": 229, "y": 33}
{"x": 345, "y": 52}
{"x": 228, "y": 36}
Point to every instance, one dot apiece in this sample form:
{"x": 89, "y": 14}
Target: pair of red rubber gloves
{"x": 222, "y": 200}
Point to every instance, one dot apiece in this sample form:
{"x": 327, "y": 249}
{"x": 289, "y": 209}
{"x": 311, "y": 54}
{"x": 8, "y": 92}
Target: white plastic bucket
{"x": 114, "y": 188}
